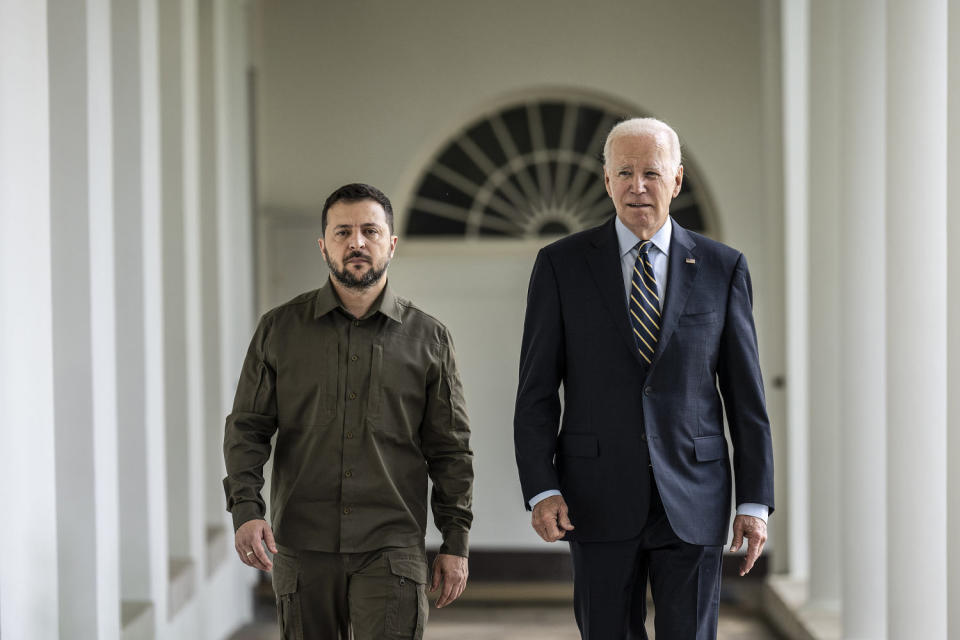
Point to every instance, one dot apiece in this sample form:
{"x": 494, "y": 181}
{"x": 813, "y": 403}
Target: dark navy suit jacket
{"x": 621, "y": 415}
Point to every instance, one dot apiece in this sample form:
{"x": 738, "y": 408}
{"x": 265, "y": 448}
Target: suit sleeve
{"x": 249, "y": 427}
{"x": 542, "y": 360}
{"x": 741, "y": 384}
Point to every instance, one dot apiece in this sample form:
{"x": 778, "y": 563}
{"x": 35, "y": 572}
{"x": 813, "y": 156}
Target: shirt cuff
{"x": 456, "y": 543}
{"x": 244, "y": 512}
{"x": 543, "y": 494}
{"x": 753, "y": 509}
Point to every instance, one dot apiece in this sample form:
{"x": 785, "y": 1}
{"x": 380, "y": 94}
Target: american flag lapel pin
{"x": 691, "y": 261}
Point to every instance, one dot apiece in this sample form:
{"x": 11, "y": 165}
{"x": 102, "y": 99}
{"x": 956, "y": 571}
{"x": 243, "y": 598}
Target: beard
{"x": 348, "y": 279}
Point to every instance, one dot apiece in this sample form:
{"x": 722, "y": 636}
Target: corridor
{"x": 163, "y": 166}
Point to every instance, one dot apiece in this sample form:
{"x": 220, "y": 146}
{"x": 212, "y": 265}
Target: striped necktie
{"x": 645, "y": 304}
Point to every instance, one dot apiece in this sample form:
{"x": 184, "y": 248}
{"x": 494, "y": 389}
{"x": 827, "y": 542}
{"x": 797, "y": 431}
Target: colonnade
{"x": 873, "y": 286}
{"x": 127, "y": 301}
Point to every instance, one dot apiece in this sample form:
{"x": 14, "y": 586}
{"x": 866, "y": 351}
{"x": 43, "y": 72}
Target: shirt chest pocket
{"x": 397, "y": 398}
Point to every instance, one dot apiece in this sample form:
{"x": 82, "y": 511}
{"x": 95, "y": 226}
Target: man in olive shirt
{"x": 363, "y": 393}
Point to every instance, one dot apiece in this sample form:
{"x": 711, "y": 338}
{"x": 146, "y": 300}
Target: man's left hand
{"x": 451, "y": 572}
{"x": 755, "y": 531}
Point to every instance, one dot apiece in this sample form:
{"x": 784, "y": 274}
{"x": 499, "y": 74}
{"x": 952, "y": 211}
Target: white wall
{"x": 370, "y": 91}
{"x": 483, "y": 319}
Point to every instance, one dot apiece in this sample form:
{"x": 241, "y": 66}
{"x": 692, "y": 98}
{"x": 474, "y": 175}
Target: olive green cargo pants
{"x": 377, "y": 594}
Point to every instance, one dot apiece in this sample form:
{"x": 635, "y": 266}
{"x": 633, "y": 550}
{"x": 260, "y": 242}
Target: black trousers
{"x": 610, "y": 584}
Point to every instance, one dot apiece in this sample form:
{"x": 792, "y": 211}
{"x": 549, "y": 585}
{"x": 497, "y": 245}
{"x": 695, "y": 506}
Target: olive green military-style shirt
{"x": 364, "y": 410}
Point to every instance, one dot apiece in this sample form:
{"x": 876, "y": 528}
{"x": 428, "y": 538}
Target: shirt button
{"x": 349, "y": 435}
{"x": 348, "y": 473}
{"x": 346, "y": 511}
{"x": 648, "y": 391}
{"x": 353, "y": 396}
{"x": 356, "y": 323}
{"x": 354, "y": 357}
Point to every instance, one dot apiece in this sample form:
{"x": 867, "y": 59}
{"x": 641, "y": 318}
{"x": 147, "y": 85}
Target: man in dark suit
{"x": 641, "y": 321}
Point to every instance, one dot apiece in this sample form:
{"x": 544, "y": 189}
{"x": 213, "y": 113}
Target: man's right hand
{"x": 551, "y": 518}
{"x": 249, "y": 542}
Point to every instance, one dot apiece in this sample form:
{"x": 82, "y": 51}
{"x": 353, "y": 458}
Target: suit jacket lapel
{"x": 604, "y": 261}
{"x": 680, "y": 279}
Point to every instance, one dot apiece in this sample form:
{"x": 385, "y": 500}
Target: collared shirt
{"x": 659, "y": 255}
{"x": 364, "y": 409}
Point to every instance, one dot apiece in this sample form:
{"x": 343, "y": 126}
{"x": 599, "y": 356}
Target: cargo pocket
{"x": 286, "y": 571}
{"x": 407, "y": 609}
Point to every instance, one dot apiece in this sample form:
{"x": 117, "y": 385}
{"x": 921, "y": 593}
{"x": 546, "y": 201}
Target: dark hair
{"x": 355, "y": 192}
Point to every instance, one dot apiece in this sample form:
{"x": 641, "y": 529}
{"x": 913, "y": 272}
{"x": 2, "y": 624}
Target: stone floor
{"x": 527, "y": 619}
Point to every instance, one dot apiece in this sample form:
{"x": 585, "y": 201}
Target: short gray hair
{"x": 640, "y": 127}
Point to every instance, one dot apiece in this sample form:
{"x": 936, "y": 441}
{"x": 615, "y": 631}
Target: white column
{"x": 174, "y": 277}
{"x": 102, "y": 318}
{"x": 142, "y": 577}
{"x": 953, "y": 319}
{"x": 82, "y": 280}
{"x": 234, "y": 208}
{"x": 135, "y": 534}
{"x": 916, "y": 225}
{"x": 769, "y": 315}
{"x": 862, "y": 252}
{"x": 71, "y": 315}
{"x": 216, "y": 516}
{"x": 193, "y": 288}
{"x": 795, "y": 18}
{"x": 824, "y": 307}
{"x": 29, "y": 601}
{"x": 153, "y": 310}
{"x": 234, "y": 188}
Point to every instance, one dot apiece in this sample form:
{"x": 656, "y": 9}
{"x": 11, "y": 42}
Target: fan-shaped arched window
{"x": 532, "y": 168}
